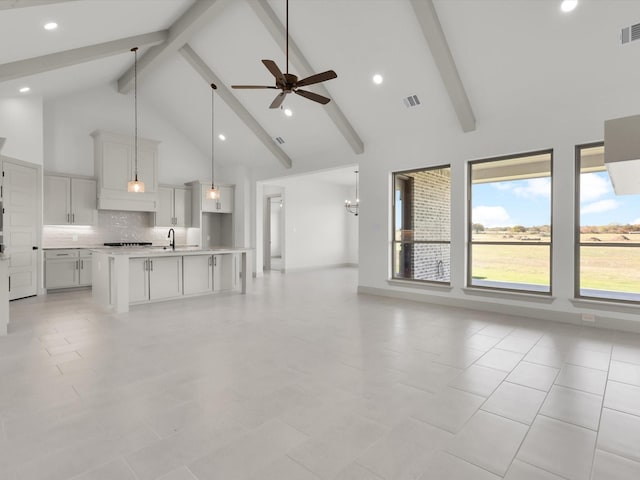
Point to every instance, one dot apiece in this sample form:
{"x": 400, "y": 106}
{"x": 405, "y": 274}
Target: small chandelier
{"x": 135, "y": 185}
{"x": 353, "y": 207}
{"x": 212, "y": 193}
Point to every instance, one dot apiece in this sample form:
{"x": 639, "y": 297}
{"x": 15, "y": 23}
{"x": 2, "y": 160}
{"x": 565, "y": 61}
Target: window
{"x": 510, "y": 223}
{"x": 607, "y": 233}
{"x": 422, "y": 225}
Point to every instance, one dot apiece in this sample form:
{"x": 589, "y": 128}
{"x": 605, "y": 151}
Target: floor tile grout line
{"x": 369, "y": 470}
{"x": 543, "y": 469}
{"x": 534, "y": 419}
{"x": 604, "y": 396}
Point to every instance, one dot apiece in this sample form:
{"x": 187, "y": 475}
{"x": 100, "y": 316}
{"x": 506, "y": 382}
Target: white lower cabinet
{"x": 67, "y": 268}
{"x": 84, "y": 275}
{"x": 138, "y": 280}
{"x": 226, "y": 272}
{"x": 156, "y": 278}
{"x": 165, "y": 277}
{"x": 198, "y": 274}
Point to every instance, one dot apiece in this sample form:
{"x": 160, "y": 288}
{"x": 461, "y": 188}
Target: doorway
{"x": 273, "y": 233}
{"x": 21, "y": 218}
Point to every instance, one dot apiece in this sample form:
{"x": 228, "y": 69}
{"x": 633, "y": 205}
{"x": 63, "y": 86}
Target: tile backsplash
{"x": 113, "y": 226}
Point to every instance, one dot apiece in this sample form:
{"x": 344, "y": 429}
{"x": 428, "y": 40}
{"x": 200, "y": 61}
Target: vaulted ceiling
{"x": 513, "y": 57}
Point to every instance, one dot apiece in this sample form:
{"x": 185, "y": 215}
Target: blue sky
{"x": 526, "y": 202}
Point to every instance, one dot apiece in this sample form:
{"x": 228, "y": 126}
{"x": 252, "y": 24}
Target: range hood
{"x": 622, "y": 154}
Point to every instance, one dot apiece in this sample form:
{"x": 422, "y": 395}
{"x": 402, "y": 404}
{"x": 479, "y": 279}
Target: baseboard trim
{"x": 605, "y": 322}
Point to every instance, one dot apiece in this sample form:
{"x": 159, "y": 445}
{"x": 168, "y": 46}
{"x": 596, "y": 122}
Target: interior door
{"x": 21, "y": 200}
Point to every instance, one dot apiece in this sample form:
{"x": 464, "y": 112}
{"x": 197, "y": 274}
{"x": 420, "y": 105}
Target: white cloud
{"x": 600, "y": 206}
{"x": 536, "y": 187}
{"x": 503, "y": 185}
{"x": 636, "y": 222}
{"x": 490, "y": 216}
{"x": 593, "y": 187}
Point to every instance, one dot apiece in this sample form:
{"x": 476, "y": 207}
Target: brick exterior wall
{"x": 431, "y": 220}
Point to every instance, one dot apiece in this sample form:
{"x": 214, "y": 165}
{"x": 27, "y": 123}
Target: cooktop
{"x": 127, "y": 244}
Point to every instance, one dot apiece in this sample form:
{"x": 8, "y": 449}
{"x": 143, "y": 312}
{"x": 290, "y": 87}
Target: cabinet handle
{"x": 77, "y": 265}
{"x": 73, "y": 218}
{"x": 215, "y": 261}
{"x": 151, "y": 263}
{"x": 210, "y": 261}
{"x": 146, "y": 265}
{"x": 81, "y": 264}
{"x": 68, "y": 218}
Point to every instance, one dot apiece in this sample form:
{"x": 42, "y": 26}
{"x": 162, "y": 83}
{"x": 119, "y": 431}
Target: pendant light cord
{"x": 357, "y": 180}
{"x": 135, "y": 106}
{"x": 213, "y": 96}
{"x": 287, "y": 34}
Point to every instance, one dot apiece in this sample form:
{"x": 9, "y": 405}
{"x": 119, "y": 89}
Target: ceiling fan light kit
{"x": 288, "y": 82}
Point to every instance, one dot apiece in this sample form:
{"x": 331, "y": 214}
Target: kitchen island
{"x": 128, "y": 276}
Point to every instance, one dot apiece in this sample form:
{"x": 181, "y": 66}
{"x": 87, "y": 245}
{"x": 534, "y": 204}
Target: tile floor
{"x": 304, "y": 379}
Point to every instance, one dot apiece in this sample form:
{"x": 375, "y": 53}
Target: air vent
{"x": 630, "y": 34}
{"x": 279, "y": 140}
{"x": 411, "y": 101}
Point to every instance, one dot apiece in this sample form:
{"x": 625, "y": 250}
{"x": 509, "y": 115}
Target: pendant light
{"x": 135, "y": 185}
{"x": 212, "y": 193}
{"x": 353, "y": 207}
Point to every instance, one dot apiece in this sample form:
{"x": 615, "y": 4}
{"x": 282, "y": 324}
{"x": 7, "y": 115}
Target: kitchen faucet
{"x": 172, "y": 241}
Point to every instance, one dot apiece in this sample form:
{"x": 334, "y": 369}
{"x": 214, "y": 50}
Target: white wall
{"x": 69, "y": 120}
{"x": 21, "y": 125}
{"x": 559, "y": 130}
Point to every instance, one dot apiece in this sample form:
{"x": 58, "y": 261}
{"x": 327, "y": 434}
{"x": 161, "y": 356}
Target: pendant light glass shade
{"x": 353, "y": 207}
{"x": 135, "y": 185}
{"x": 213, "y": 193}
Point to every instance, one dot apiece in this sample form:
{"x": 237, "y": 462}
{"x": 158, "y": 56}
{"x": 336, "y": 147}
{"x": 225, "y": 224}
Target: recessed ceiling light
{"x": 568, "y": 5}
{"x": 377, "y": 79}
{"x": 50, "y": 26}
{"x": 222, "y": 137}
{"x": 288, "y": 112}
{"x": 24, "y": 89}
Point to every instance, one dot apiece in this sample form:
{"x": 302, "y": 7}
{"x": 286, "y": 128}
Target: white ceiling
{"x": 514, "y": 57}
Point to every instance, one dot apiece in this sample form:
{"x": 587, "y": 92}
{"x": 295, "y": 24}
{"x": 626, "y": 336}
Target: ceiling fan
{"x": 288, "y": 82}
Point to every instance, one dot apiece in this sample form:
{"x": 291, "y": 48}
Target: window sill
{"x": 608, "y": 305}
{"x": 420, "y": 284}
{"x": 493, "y": 293}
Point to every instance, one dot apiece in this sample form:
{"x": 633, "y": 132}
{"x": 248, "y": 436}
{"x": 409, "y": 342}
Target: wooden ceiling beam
{"x": 198, "y": 15}
{"x": 277, "y": 30}
{"x": 210, "y": 77}
{"x": 437, "y": 41}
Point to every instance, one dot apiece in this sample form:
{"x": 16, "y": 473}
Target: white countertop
{"x": 166, "y": 252}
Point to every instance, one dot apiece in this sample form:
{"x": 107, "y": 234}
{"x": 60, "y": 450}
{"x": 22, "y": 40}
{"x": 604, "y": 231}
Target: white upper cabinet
{"x": 69, "y": 201}
{"x": 83, "y": 201}
{"x": 114, "y": 163}
{"x": 224, "y": 203}
{"x": 174, "y": 207}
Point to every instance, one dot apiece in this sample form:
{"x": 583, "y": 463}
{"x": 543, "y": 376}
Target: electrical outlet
{"x": 588, "y": 318}
{"x": 74, "y": 238}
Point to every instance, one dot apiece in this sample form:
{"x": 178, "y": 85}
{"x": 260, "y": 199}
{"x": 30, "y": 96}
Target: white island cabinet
{"x": 154, "y": 278}
{"x": 125, "y": 277}
{"x": 198, "y": 274}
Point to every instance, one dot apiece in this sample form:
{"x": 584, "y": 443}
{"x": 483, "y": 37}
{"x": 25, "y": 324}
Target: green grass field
{"x": 603, "y": 268}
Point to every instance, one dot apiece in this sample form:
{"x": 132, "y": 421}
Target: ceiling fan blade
{"x": 275, "y": 71}
{"x": 251, "y": 86}
{"x": 278, "y": 100}
{"x": 317, "y": 78}
{"x": 313, "y": 96}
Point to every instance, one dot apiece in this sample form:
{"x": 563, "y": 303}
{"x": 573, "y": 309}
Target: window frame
{"x": 470, "y": 243}
{"x": 394, "y": 242}
{"x": 577, "y": 226}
